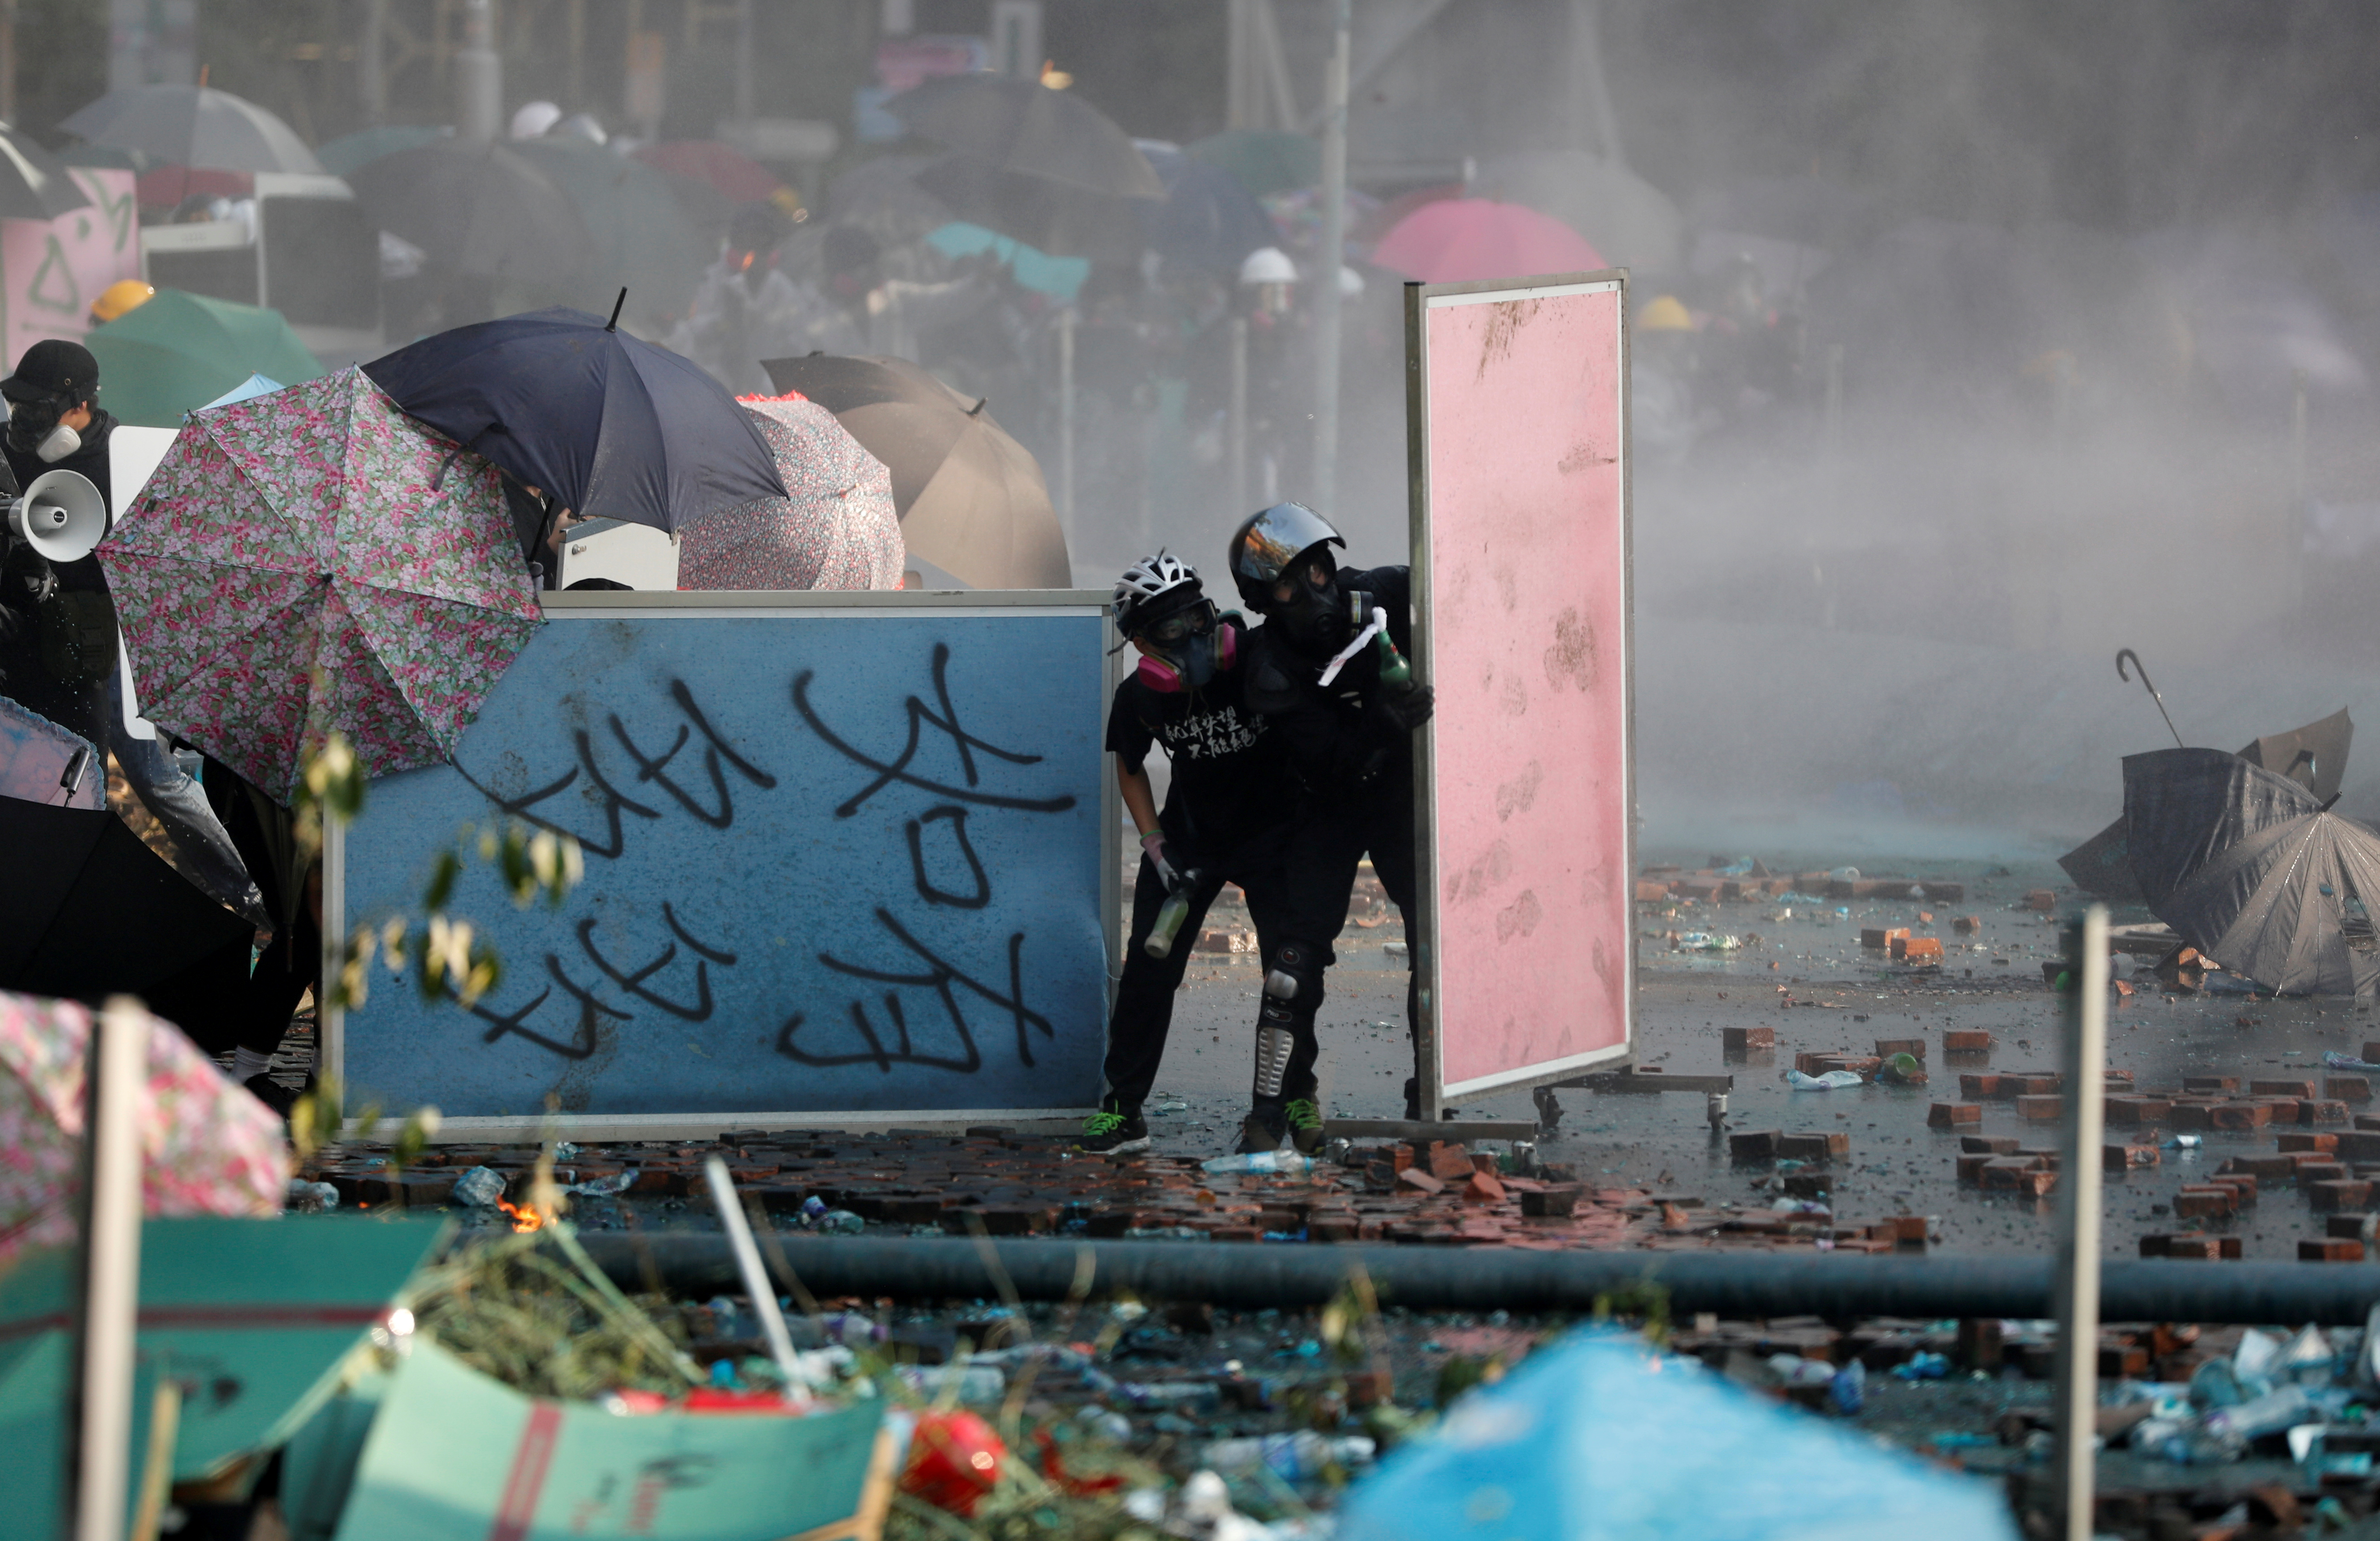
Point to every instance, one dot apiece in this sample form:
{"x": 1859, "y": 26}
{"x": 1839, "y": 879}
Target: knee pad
{"x": 1294, "y": 974}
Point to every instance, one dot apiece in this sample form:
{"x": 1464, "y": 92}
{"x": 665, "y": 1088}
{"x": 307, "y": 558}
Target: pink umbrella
{"x": 1456, "y": 239}
{"x": 314, "y": 560}
{"x": 208, "y": 1147}
{"x": 838, "y": 529}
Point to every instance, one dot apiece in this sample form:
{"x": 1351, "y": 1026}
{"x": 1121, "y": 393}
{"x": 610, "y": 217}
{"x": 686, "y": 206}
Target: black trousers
{"x": 1330, "y": 841}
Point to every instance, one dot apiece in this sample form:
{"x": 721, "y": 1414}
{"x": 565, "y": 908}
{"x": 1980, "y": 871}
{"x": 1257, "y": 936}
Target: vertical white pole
{"x": 479, "y": 77}
{"x": 1236, "y": 507}
{"x": 118, "y": 1066}
{"x": 2078, "y": 1249}
{"x": 1323, "y": 281}
{"x": 1067, "y": 415}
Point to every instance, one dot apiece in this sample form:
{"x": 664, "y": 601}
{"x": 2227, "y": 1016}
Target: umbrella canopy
{"x": 87, "y": 910}
{"x": 741, "y": 178}
{"x": 971, "y": 499}
{"x": 1062, "y": 278}
{"x": 1630, "y": 221}
{"x": 1208, "y": 222}
{"x": 351, "y": 152}
{"x": 1024, "y": 127}
{"x": 207, "y": 1147}
{"x": 193, "y": 126}
{"x": 614, "y": 426}
{"x": 1056, "y": 217}
{"x": 314, "y": 560}
{"x": 41, "y": 762}
{"x": 836, "y": 526}
{"x": 33, "y": 183}
{"x": 881, "y": 196}
{"x": 255, "y": 385}
{"x": 2247, "y": 867}
{"x": 1262, "y": 159}
{"x": 637, "y": 234}
{"x": 476, "y": 209}
{"x": 1455, "y": 239}
{"x": 180, "y": 351}
{"x": 1598, "y": 1437}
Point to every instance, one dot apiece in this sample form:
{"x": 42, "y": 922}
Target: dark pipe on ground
{"x": 1459, "y": 1279}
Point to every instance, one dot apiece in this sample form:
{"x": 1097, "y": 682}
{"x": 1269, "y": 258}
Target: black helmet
{"x": 1263, "y": 548}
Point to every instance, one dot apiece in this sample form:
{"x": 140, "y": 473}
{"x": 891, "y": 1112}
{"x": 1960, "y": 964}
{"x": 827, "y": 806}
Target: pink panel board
{"x": 52, "y": 270}
{"x": 1518, "y": 437}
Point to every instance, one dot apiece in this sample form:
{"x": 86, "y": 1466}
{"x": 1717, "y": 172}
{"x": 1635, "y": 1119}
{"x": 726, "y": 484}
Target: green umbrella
{"x": 180, "y": 351}
{"x": 1262, "y": 159}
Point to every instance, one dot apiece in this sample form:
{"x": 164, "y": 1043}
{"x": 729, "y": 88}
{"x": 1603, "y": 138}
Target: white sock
{"x": 246, "y": 1064}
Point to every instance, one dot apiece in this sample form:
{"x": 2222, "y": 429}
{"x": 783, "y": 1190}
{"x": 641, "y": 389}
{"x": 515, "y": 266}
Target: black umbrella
{"x": 476, "y": 209}
{"x": 33, "y": 183}
{"x": 2254, "y": 871}
{"x": 193, "y": 126}
{"x": 612, "y": 426}
{"x": 971, "y": 499}
{"x": 87, "y": 910}
{"x": 1024, "y": 127}
{"x": 1208, "y": 221}
{"x": 1061, "y": 220}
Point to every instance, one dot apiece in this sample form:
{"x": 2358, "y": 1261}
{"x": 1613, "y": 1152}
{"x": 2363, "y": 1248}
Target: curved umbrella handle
{"x": 2124, "y": 653}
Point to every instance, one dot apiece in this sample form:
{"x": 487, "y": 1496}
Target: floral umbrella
{"x": 208, "y": 1147}
{"x": 314, "y": 560}
{"x": 837, "y": 530}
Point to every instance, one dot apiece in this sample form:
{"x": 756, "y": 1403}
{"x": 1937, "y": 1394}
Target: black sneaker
{"x": 1305, "y": 1121}
{"x": 1114, "y": 1130}
{"x": 272, "y": 1093}
{"x": 1265, "y": 1127}
{"x": 1413, "y": 1100}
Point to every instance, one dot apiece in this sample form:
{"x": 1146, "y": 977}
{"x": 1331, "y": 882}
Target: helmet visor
{"x": 1275, "y": 537}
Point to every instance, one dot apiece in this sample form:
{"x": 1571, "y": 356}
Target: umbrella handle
{"x": 613, "y": 325}
{"x": 2124, "y": 653}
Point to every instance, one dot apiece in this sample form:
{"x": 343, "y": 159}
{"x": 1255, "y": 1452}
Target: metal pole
{"x": 479, "y": 77}
{"x": 1066, "y": 414}
{"x": 744, "y": 46}
{"x": 2078, "y": 1246}
{"x": 118, "y": 1068}
{"x": 1324, "y": 278}
{"x": 372, "y": 61}
{"x": 1238, "y": 502}
{"x": 9, "y": 61}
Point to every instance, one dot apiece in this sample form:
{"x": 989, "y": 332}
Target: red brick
{"x": 1651, "y": 894}
{"x": 2290, "y": 1143}
{"x": 2318, "y": 1169}
{"x": 2273, "y": 1169}
{"x": 2187, "y": 1116}
{"x": 2318, "y": 1111}
{"x": 2040, "y": 1108}
{"x": 1967, "y": 925}
{"x": 1971, "y": 1167}
{"x": 2347, "y": 1088}
{"x": 2211, "y": 1085}
{"x": 1965, "y": 1041}
{"x": 2240, "y": 1115}
{"x": 2028, "y": 1083}
{"x": 2127, "y": 1157}
{"x": 1920, "y": 951}
{"x": 1484, "y": 1188}
{"x": 1950, "y": 1115}
{"x": 1813, "y": 1146}
{"x": 1415, "y": 1178}
{"x": 2204, "y": 1202}
{"x": 1557, "y": 1203}
{"x": 2131, "y": 1109}
{"x": 2333, "y": 1194}
{"x": 2242, "y": 1186}
{"x": 2346, "y": 1225}
{"x": 2359, "y": 1145}
{"x": 2330, "y": 1249}
{"x": 1998, "y": 1145}
{"x": 1879, "y": 939}
{"x": 1901, "y": 1229}
{"x": 1450, "y": 1162}
{"x": 1755, "y": 1146}
{"x": 2301, "y": 1090}
{"x": 1979, "y": 1088}
{"x": 1743, "y": 1040}
{"x": 1886, "y": 1048}
{"x": 2017, "y": 1174}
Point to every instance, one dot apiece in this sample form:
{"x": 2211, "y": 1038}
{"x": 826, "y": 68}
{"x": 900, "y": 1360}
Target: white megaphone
{"x": 60, "y": 515}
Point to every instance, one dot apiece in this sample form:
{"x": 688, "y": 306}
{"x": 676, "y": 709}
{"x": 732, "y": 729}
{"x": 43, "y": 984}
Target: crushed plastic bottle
{"x": 1707, "y": 942}
{"x": 1834, "y": 1080}
{"x": 2225, "y": 1434}
{"x": 1922, "y": 1366}
{"x": 606, "y": 1187}
{"x": 311, "y": 1198}
{"x": 477, "y": 1187}
{"x": 1298, "y": 1457}
{"x": 841, "y": 1222}
{"x": 1286, "y": 1161}
{"x": 1848, "y": 1390}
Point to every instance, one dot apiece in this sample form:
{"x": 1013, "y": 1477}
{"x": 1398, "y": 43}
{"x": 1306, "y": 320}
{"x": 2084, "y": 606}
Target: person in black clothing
{"x": 57, "y": 625}
{"x": 1344, "y": 708}
{"x": 1224, "y": 819}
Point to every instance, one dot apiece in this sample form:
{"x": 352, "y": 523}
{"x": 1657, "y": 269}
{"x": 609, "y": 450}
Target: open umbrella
{"x": 881, "y": 196}
{"x": 2252, "y": 869}
{"x": 614, "y": 426}
{"x": 638, "y": 235}
{"x": 87, "y": 910}
{"x": 1597, "y": 1438}
{"x": 476, "y": 209}
{"x": 1024, "y": 127}
{"x": 1057, "y": 217}
{"x": 33, "y": 183}
{"x": 208, "y": 1147}
{"x": 836, "y": 526}
{"x": 1208, "y": 222}
{"x": 314, "y": 560}
{"x": 1062, "y": 278}
{"x": 971, "y": 499}
{"x": 193, "y": 126}
{"x": 41, "y": 762}
{"x": 1455, "y": 239}
{"x": 735, "y": 175}
{"x": 180, "y": 351}
{"x": 1262, "y": 159}
{"x": 351, "y": 152}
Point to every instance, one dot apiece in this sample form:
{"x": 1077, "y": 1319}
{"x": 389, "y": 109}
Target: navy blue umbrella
{"x": 1209, "y": 222}
{"x": 612, "y": 425}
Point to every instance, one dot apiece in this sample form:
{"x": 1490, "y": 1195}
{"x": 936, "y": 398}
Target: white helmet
{"x": 1268, "y": 264}
{"x": 534, "y": 119}
{"x": 1147, "y": 580}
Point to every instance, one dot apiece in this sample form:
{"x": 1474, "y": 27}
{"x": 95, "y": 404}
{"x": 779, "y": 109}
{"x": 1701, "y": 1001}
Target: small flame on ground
{"x": 525, "y": 1217}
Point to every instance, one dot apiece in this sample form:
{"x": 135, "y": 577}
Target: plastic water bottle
{"x": 1170, "y": 916}
{"x": 1298, "y": 1457}
{"x": 1289, "y": 1162}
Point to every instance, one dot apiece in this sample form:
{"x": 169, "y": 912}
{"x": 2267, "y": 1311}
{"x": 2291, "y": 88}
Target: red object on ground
{"x": 1455, "y": 239}
{"x": 738, "y": 175}
{"x": 955, "y": 1460}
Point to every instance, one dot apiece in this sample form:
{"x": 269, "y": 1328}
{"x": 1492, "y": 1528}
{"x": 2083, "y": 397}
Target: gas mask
{"x": 34, "y": 428}
{"x": 1307, "y": 604}
{"x": 1191, "y": 646}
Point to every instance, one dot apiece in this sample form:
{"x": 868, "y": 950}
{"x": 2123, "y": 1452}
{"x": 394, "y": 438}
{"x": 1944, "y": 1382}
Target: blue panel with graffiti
{"x": 834, "y": 863}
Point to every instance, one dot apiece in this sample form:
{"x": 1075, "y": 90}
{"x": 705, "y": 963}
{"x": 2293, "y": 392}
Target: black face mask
{"x": 29, "y": 422}
{"x": 1314, "y": 616}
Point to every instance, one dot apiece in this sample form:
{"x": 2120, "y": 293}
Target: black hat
{"x": 55, "y": 368}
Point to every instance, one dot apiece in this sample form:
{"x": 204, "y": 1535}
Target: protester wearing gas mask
{"x": 1328, "y": 674}
{"x": 60, "y": 643}
{"x": 1226, "y": 808}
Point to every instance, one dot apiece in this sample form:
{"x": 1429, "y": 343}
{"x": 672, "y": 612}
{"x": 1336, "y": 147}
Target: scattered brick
{"x": 2210, "y": 1202}
{"x": 1813, "y": 1146}
{"x": 2316, "y": 1110}
{"x": 1900, "y": 1230}
{"x": 2040, "y": 1108}
{"x": 1651, "y": 894}
{"x": 1557, "y": 1203}
{"x": 2040, "y": 899}
{"x": 1961, "y": 1040}
{"x": 2330, "y": 1249}
{"x": 1950, "y": 1115}
{"x": 1886, "y": 1048}
{"x": 2301, "y": 1090}
{"x": 2289, "y": 1144}
{"x": 2128, "y": 1158}
{"x": 1450, "y": 1162}
{"x": 2332, "y": 1195}
{"x": 1878, "y": 938}
{"x": 2210, "y": 1086}
{"x": 1979, "y": 1088}
{"x": 2347, "y": 1088}
{"x": 2345, "y": 1224}
{"x": 1743, "y": 1040}
{"x": 1755, "y": 1146}
{"x": 1415, "y": 1177}
{"x": 1484, "y": 1188}
{"x": 1996, "y": 1145}
{"x": 1967, "y": 925}
{"x": 2240, "y": 1115}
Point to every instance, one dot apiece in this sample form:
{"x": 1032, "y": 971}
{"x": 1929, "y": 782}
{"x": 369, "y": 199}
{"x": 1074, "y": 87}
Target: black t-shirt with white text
{"x": 1231, "y": 777}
